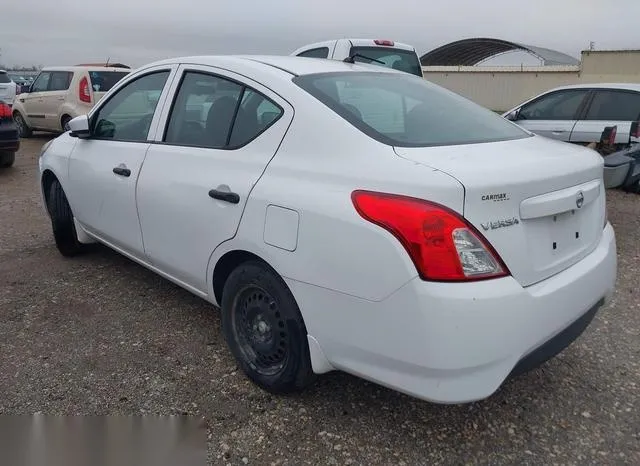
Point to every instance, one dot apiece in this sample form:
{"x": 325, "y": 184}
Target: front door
{"x": 220, "y": 136}
{"x": 33, "y": 102}
{"x": 104, "y": 169}
{"x": 553, "y": 115}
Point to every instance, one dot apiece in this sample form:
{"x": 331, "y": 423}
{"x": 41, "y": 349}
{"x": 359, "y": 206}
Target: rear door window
{"x": 214, "y": 112}
{"x": 614, "y": 105}
{"x": 398, "y": 59}
{"x": 60, "y": 80}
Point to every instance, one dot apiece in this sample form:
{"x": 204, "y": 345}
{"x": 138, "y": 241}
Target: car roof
{"x": 85, "y": 68}
{"x": 290, "y": 64}
{"x": 625, "y": 86}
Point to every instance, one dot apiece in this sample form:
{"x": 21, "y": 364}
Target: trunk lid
{"x": 539, "y": 202}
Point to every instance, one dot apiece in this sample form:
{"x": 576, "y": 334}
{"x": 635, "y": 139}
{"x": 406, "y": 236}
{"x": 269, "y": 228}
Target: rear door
{"x": 198, "y": 175}
{"x": 608, "y": 107}
{"x": 54, "y": 98}
{"x": 553, "y": 115}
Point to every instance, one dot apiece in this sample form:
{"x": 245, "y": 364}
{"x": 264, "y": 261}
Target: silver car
{"x": 579, "y": 113}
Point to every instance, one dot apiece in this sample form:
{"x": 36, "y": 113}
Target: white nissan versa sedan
{"x": 343, "y": 216}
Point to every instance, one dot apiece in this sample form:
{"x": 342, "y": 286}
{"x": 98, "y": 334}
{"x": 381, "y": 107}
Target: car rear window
{"x": 102, "y": 81}
{"x": 4, "y": 78}
{"x": 398, "y": 59}
{"x": 403, "y": 110}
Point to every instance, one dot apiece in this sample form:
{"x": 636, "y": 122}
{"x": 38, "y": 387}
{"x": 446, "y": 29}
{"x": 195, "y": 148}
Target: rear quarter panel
{"x": 321, "y": 161}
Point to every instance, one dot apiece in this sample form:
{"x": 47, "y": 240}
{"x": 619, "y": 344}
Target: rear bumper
{"x": 9, "y": 138}
{"x": 456, "y": 343}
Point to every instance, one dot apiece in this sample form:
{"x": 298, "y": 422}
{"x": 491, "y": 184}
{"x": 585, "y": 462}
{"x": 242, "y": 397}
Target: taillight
{"x": 441, "y": 244}
{"x": 383, "y": 42}
{"x": 84, "y": 94}
{"x": 5, "y": 111}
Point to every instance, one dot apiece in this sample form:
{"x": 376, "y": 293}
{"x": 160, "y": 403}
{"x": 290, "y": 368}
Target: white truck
{"x": 383, "y": 52}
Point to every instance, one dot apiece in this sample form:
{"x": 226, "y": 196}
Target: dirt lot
{"x": 100, "y": 334}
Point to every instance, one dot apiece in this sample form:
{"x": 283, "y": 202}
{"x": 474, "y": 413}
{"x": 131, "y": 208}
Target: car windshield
{"x": 403, "y": 110}
{"x": 102, "y": 81}
{"x": 398, "y": 59}
{"x": 4, "y": 78}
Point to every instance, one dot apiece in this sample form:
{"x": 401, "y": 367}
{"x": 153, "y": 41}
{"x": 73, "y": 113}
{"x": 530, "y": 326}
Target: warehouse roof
{"x": 469, "y": 52}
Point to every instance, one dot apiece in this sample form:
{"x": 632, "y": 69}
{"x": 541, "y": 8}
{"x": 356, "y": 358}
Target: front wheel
{"x": 64, "y": 229}
{"x": 23, "y": 129}
{"x": 264, "y": 329}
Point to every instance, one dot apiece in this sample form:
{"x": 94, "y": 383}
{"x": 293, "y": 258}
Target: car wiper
{"x": 352, "y": 58}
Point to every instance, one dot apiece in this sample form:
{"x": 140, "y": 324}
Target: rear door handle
{"x": 122, "y": 171}
{"x": 558, "y": 131}
{"x": 225, "y": 196}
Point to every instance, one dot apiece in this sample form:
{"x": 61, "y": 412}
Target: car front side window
{"x": 127, "y": 115}
{"x": 41, "y": 84}
{"x": 563, "y": 105}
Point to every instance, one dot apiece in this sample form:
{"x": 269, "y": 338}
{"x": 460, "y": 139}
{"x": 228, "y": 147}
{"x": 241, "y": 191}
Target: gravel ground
{"x": 100, "y": 334}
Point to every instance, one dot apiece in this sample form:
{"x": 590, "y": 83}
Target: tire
{"x": 7, "y": 159}
{"x": 64, "y": 230}
{"x": 265, "y": 330}
{"x": 64, "y": 121}
{"x": 23, "y": 129}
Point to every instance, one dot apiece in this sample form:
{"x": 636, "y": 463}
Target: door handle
{"x": 122, "y": 171}
{"x": 558, "y": 131}
{"x": 225, "y": 196}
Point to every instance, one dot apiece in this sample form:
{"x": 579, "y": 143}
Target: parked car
{"x": 7, "y": 88}
{"x": 344, "y": 216}
{"x": 22, "y": 82}
{"x": 61, "y": 93}
{"x": 579, "y": 113}
{"x": 382, "y": 52}
{"x": 9, "y": 139}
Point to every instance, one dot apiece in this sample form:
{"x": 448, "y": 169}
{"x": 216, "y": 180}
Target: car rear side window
{"x": 4, "y": 78}
{"x": 60, "y": 80}
{"x": 398, "y": 59}
{"x": 214, "y": 112}
{"x": 614, "y": 105}
{"x": 320, "y": 52}
{"x": 103, "y": 81}
{"x": 403, "y": 110}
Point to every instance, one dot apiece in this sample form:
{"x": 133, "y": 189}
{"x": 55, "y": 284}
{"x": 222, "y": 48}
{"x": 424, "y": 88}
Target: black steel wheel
{"x": 264, "y": 329}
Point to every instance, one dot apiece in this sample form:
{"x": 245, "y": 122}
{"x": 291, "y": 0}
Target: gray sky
{"x": 139, "y": 31}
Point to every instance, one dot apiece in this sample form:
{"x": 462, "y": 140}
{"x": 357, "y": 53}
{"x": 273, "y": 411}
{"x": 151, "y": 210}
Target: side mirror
{"x": 79, "y": 127}
{"x": 634, "y": 132}
{"x": 513, "y": 116}
{"x": 608, "y": 136}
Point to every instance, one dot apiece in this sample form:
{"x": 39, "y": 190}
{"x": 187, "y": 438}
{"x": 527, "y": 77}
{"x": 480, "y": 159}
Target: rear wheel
{"x": 7, "y": 159}
{"x": 23, "y": 129}
{"x": 264, "y": 329}
{"x": 64, "y": 230}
